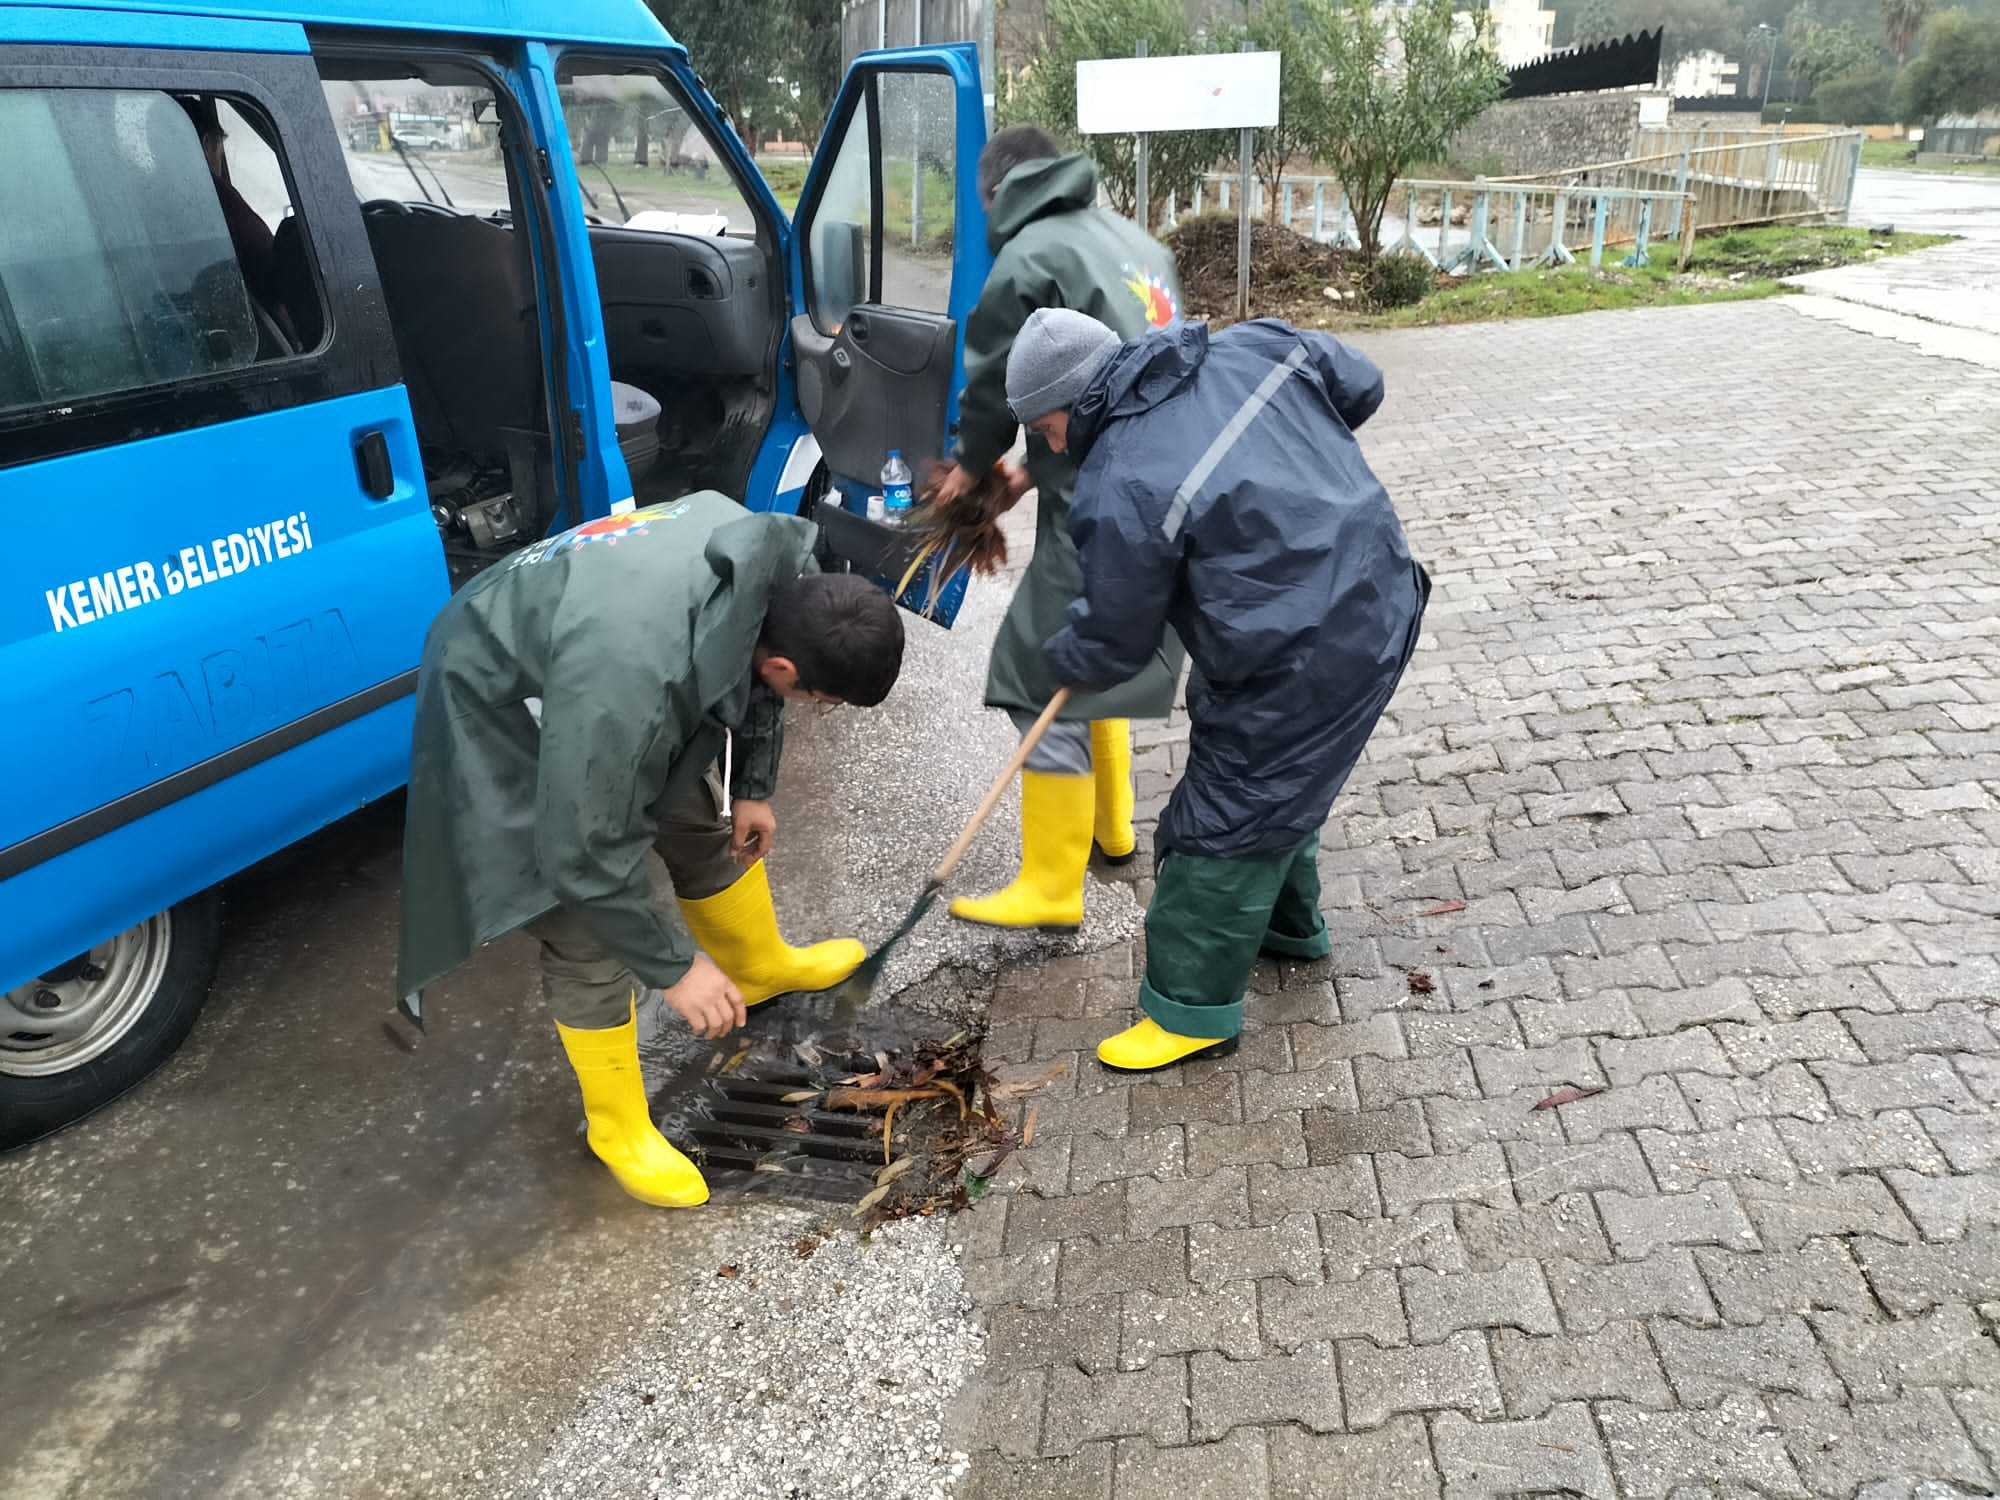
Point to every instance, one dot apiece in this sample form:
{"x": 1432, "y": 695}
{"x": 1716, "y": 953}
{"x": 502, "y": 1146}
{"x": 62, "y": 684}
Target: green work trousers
{"x": 1208, "y": 921}
{"x": 587, "y": 989}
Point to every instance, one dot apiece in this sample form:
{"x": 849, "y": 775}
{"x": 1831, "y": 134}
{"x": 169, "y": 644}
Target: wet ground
{"x": 299, "y": 1260}
{"x": 1945, "y": 300}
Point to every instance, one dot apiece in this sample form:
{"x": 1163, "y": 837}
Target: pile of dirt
{"x": 1290, "y": 275}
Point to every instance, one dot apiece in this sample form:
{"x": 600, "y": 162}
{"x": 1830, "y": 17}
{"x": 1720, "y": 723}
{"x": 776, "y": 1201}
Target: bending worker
{"x": 1053, "y": 248}
{"x": 1221, "y": 493}
{"x": 571, "y": 708}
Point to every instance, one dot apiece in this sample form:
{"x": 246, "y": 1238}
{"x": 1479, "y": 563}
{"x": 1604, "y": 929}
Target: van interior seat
{"x": 462, "y": 308}
{"x": 291, "y": 270}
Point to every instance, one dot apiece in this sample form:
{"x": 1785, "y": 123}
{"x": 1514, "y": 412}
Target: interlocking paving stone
{"x": 1750, "y": 1287}
{"x": 1301, "y": 1387}
{"x": 1667, "y": 1286}
{"x": 1441, "y": 1304}
{"x": 1560, "y": 1453}
{"x": 1367, "y": 1307}
{"x": 1454, "y": 1375}
{"x": 1710, "y": 1215}
{"x": 1780, "y": 1354}
{"x": 1877, "y": 1357}
{"x": 1916, "y": 1436}
{"x": 1393, "y": 1462}
{"x": 1657, "y": 1454}
{"x": 1615, "y": 1363}
{"x": 1221, "y": 1317}
{"x": 1239, "y": 1465}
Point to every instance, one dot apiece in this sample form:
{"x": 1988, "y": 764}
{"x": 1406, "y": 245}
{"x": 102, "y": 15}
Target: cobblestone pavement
{"x": 1705, "y": 737}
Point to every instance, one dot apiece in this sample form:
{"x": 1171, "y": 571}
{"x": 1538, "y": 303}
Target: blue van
{"x": 311, "y": 311}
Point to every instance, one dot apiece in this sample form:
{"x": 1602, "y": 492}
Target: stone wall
{"x": 1523, "y": 136}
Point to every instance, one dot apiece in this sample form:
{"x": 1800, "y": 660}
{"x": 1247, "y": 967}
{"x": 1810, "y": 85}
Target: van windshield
{"x": 409, "y": 140}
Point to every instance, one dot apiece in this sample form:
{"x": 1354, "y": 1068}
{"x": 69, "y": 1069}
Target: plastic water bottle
{"x": 897, "y": 492}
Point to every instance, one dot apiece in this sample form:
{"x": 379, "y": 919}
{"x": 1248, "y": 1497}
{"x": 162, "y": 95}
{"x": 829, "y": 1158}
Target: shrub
{"x": 1401, "y": 279}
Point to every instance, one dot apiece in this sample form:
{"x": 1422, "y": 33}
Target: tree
{"x": 730, "y": 42}
{"x": 1958, "y": 70}
{"x": 1902, "y": 23}
{"x": 1690, "y": 26}
{"x": 773, "y": 65}
{"x": 1829, "y": 51}
{"x": 1043, "y": 92}
{"x": 1596, "y": 22}
{"x": 1385, "y": 113}
{"x": 1274, "y": 27}
{"x": 1857, "y": 98}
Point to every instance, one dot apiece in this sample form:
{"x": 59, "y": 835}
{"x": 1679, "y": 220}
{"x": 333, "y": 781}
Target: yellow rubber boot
{"x": 1149, "y": 1045}
{"x": 1111, "y": 766}
{"x": 1055, "y": 852}
{"x": 738, "y": 928}
{"x": 621, "y": 1129}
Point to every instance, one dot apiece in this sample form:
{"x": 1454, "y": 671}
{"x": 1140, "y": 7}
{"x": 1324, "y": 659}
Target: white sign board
{"x": 1150, "y": 95}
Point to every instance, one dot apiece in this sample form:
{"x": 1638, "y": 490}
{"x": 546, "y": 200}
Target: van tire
{"x": 34, "y": 1106}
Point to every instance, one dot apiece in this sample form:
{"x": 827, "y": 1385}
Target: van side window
{"x": 643, "y": 163}
{"x": 127, "y": 257}
{"x": 919, "y": 181}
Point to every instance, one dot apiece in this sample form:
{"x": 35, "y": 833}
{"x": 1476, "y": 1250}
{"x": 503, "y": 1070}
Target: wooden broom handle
{"x": 993, "y": 793}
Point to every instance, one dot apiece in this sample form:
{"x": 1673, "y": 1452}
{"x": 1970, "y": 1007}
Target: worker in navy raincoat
{"x": 1221, "y": 493}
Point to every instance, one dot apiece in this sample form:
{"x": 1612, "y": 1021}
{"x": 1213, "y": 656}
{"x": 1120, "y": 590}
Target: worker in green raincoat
{"x": 571, "y": 709}
{"x": 1053, "y": 247}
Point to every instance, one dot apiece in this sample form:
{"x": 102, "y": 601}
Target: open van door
{"x": 888, "y": 256}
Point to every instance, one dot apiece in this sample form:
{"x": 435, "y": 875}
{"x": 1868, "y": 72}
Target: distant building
{"x": 1705, "y": 75}
{"x": 1522, "y": 30}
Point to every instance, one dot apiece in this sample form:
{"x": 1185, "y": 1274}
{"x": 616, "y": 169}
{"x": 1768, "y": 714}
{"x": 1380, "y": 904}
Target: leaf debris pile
{"x": 958, "y": 534}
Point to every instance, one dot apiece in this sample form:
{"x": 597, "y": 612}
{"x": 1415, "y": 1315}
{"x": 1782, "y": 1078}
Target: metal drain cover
{"x": 746, "y": 1108}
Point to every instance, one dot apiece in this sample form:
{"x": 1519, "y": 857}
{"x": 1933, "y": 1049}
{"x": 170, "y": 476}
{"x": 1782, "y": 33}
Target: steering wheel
{"x": 384, "y": 206}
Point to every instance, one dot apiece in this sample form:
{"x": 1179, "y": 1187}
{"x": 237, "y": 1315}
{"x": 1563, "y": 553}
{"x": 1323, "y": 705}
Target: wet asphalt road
{"x": 299, "y": 1259}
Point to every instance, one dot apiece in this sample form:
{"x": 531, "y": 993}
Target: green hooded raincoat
{"x": 635, "y": 632}
{"x": 1053, "y": 248}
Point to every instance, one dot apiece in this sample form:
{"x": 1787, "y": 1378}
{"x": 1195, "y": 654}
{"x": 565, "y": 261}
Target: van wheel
{"x": 82, "y": 1034}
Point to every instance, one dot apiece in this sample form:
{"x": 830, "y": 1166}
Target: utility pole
{"x": 1770, "y": 67}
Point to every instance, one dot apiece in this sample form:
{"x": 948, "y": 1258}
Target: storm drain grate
{"x": 751, "y": 1110}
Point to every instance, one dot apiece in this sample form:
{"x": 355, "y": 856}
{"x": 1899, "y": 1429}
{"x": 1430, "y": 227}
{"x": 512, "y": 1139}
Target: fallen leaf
{"x": 870, "y": 1199}
{"x": 806, "y": 1245}
{"x": 1484, "y": 984}
{"x": 1443, "y": 909}
{"x": 1022, "y": 1086}
{"x": 1565, "y": 1096}
{"x": 1420, "y": 982}
{"x": 861, "y": 1098}
{"x": 894, "y": 1170}
{"x": 799, "y": 1096}
{"x": 797, "y": 1125}
{"x": 730, "y": 1273}
{"x": 1028, "y": 1130}
{"x": 769, "y": 1166}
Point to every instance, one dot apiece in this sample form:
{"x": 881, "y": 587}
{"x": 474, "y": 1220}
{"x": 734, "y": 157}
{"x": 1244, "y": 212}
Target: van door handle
{"x": 371, "y": 459}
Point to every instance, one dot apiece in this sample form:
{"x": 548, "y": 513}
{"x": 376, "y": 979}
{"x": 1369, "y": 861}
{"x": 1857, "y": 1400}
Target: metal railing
{"x": 1463, "y": 227}
{"x": 1732, "y": 178}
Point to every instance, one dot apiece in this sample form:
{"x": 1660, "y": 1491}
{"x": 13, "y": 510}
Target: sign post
{"x": 1246, "y": 147}
{"x": 1141, "y": 96}
{"x": 1139, "y": 183}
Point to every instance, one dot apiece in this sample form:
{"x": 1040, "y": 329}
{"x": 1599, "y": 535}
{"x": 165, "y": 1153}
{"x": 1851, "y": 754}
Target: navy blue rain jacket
{"x": 1221, "y": 492}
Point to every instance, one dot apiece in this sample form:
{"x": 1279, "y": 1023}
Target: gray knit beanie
{"x": 1054, "y": 356}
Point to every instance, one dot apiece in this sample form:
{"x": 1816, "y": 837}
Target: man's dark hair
{"x": 1013, "y": 147}
{"x": 841, "y": 632}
